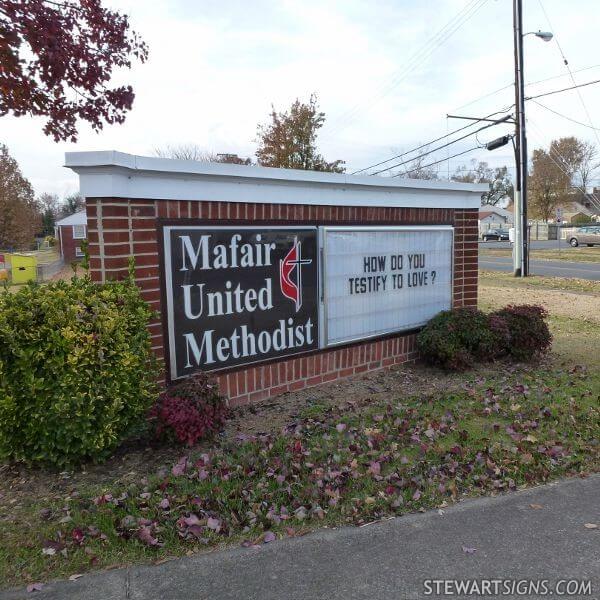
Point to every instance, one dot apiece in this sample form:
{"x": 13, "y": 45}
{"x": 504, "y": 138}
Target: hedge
{"x": 76, "y": 369}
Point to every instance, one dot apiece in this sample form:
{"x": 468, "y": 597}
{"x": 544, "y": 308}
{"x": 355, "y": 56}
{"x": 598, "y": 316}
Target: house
{"x": 494, "y": 217}
{"x": 70, "y": 232}
{"x": 575, "y": 212}
{"x": 495, "y": 214}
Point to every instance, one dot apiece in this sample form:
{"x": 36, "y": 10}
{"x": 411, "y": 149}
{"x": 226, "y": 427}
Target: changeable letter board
{"x": 381, "y": 280}
{"x": 239, "y": 295}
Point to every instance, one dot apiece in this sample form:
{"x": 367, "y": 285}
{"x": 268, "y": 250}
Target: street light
{"x": 521, "y": 242}
{"x": 543, "y": 35}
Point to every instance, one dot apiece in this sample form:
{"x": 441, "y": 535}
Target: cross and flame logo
{"x": 290, "y": 266}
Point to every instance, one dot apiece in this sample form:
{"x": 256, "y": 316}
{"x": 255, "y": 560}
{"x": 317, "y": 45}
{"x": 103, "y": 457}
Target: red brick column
{"x": 466, "y": 231}
{"x": 118, "y": 228}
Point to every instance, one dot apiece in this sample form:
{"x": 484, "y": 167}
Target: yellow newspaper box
{"x": 24, "y": 268}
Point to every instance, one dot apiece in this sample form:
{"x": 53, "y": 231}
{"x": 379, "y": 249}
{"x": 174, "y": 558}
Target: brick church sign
{"x": 277, "y": 279}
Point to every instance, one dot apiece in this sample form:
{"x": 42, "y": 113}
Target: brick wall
{"x": 118, "y": 228}
{"x": 68, "y": 245}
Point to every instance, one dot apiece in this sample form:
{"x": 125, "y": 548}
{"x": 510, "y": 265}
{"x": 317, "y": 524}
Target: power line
{"x": 441, "y": 147}
{"x": 412, "y": 61}
{"x": 565, "y": 116}
{"x": 526, "y": 85}
{"x": 442, "y": 137}
{"x": 437, "y": 162}
{"x": 573, "y": 87}
{"x": 461, "y": 129}
{"x": 566, "y": 62}
{"x": 465, "y": 127}
{"x": 416, "y": 59}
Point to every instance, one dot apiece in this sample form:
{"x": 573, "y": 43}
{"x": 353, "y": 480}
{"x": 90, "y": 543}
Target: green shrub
{"x": 456, "y": 339}
{"x": 189, "y": 411}
{"x": 528, "y": 333}
{"x": 76, "y": 370}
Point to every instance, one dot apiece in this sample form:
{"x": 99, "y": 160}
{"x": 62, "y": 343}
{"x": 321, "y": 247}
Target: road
{"x": 547, "y": 268}
{"x": 536, "y": 534}
{"x": 535, "y": 245}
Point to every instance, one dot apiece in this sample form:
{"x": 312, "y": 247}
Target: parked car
{"x": 586, "y": 235}
{"x": 499, "y": 235}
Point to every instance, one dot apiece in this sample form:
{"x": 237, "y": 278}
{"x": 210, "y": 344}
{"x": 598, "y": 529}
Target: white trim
{"x": 60, "y": 243}
{"x": 113, "y": 174}
{"x": 78, "y": 237}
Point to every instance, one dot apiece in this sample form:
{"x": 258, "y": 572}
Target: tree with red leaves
{"x": 56, "y": 61}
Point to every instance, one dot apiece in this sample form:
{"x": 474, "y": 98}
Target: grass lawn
{"x": 352, "y": 452}
{"x": 579, "y": 254}
{"x": 573, "y": 304}
{"x": 494, "y": 279}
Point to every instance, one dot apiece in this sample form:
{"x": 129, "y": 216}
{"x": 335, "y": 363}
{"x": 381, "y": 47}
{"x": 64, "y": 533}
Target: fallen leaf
{"x": 164, "y": 504}
{"x": 179, "y": 468}
{"x": 468, "y": 550}
{"x": 536, "y": 506}
{"x": 49, "y": 551}
{"x": 340, "y": 427}
{"x": 191, "y": 520}
{"x": 269, "y": 537}
{"x": 527, "y": 458}
{"x": 591, "y": 526}
{"x": 102, "y": 499}
{"x": 35, "y": 587}
{"x": 145, "y": 535}
{"x": 75, "y": 577}
{"x": 375, "y": 468}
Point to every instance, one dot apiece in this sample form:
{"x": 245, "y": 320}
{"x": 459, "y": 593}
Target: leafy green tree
{"x": 288, "y": 139}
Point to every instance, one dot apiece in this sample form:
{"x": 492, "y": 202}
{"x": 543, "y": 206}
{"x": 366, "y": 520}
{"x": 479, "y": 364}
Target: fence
{"x": 33, "y": 266}
{"x": 48, "y": 270}
{"x": 544, "y": 231}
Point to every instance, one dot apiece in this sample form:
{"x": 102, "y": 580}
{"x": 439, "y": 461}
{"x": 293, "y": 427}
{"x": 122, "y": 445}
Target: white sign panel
{"x": 380, "y": 280}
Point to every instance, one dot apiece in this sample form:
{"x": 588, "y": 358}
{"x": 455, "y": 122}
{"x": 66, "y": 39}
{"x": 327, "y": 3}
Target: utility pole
{"x": 521, "y": 241}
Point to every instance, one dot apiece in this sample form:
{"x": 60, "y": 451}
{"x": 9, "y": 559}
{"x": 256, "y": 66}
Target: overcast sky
{"x": 383, "y": 75}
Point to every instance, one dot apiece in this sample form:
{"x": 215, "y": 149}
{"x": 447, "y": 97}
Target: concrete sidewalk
{"x": 387, "y": 560}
